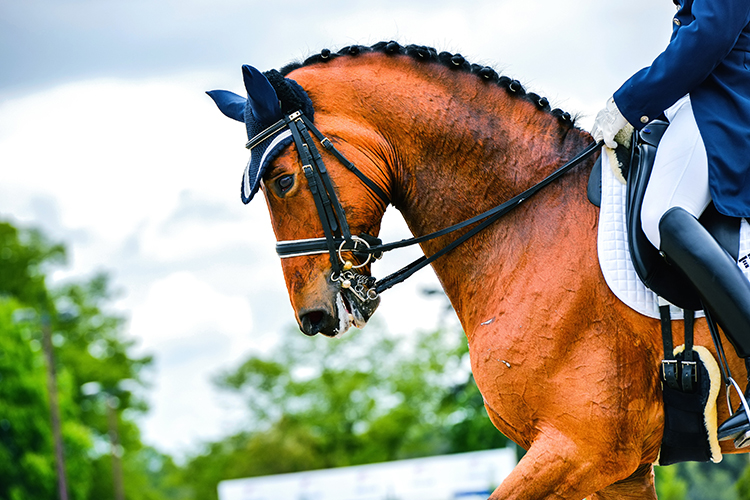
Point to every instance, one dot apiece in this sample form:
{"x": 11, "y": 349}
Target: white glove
{"x": 608, "y": 123}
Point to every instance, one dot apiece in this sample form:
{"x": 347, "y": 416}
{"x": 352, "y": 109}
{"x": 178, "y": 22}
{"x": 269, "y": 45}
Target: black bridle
{"x": 338, "y": 239}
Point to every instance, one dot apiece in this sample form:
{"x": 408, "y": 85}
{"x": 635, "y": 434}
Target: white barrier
{"x": 464, "y": 476}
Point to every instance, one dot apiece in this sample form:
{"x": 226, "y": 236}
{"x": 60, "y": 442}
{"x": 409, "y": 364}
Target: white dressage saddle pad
{"x": 614, "y": 254}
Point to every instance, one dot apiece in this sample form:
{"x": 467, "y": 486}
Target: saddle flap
{"x": 594, "y": 188}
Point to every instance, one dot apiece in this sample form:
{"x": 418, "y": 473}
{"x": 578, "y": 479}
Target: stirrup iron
{"x": 743, "y": 440}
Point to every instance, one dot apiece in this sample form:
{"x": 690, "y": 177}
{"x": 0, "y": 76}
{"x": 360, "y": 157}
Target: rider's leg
{"x": 720, "y": 283}
{"x": 680, "y": 174}
{"x": 680, "y": 179}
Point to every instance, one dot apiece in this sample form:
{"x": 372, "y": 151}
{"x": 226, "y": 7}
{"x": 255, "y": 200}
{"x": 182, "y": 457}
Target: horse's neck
{"x": 459, "y": 175}
{"x": 457, "y": 146}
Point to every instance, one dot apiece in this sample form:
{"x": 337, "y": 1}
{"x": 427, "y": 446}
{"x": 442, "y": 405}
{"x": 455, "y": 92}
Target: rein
{"x": 337, "y": 235}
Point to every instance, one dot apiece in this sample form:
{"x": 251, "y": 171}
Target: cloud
{"x": 197, "y": 331}
{"x": 108, "y": 143}
{"x": 46, "y": 42}
{"x": 113, "y": 155}
{"x": 180, "y": 306}
{"x": 141, "y": 179}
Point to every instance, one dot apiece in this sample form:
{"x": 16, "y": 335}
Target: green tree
{"x": 708, "y": 480}
{"x": 27, "y": 465}
{"x": 25, "y": 257}
{"x": 94, "y": 365}
{"x": 743, "y": 483}
{"x": 669, "y": 484}
{"x": 109, "y": 379}
{"x": 364, "y": 398}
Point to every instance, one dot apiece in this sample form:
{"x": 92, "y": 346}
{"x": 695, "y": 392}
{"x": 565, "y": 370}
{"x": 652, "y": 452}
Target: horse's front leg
{"x": 555, "y": 467}
{"x": 592, "y": 448}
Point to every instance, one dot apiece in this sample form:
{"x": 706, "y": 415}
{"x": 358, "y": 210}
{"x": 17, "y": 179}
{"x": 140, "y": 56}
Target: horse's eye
{"x": 285, "y": 183}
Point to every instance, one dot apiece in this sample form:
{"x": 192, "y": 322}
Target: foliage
{"x": 727, "y": 480}
{"x": 367, "y": 397}
{"x": 149, "y": 475}
{"x": 24, "y": 257}
{"x": 314, "y": 403}
{"x": 743, "y": 483}
{"x": 669, "y": 484}
{"x": 27, "y": 465}
{"x": 91, "y": 347}
{"x": 93, "y": 363}
{"x": 714, "y": 481}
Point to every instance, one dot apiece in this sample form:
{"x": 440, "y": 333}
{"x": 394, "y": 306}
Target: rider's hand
{"x": 608, "y": 123}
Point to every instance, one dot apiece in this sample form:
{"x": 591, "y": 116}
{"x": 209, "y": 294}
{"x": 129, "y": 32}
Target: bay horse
{"x": 566, "y": 370}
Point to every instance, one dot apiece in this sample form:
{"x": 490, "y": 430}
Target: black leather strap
{"x": 713, "y": 327}
{"x": 669, "y": 363}
{"x": 323, "y": 200}
{"x": 344, "y": 161}
{"x": 320, "y": 166}
{"x": 487, "y": 217}
{"x": 333, "y": 218}
{"x": 688, "y": 366}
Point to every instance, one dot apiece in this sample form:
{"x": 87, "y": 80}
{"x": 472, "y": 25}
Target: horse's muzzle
{"x": 318, "y": 321}
{"x": 349, "y": 310}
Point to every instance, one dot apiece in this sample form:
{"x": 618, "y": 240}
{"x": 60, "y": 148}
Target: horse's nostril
{"x": 316, "y": 322}
{"x": 315, "y": 317}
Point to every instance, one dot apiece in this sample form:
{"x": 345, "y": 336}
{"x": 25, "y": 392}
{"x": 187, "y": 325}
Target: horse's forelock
{"x": 291, "y": 95}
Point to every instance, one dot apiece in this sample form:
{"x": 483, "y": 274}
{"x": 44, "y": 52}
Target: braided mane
{"x": 455, "y": 62}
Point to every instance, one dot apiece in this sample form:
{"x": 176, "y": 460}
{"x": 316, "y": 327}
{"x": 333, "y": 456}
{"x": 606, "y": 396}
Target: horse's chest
{"x": 510, "y": 371}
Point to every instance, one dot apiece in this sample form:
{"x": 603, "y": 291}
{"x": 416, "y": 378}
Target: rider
{"x": 701, "y": 82}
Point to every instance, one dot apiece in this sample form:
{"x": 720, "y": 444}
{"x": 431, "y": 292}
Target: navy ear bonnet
{"x": 270, "y": 97}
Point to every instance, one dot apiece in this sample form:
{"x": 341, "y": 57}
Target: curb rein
{"x": 337, "y": 235}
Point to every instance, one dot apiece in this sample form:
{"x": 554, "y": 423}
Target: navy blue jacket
{"x": 709, "y": 58}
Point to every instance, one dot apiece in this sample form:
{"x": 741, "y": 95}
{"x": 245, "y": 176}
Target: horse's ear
{"x": 264, "y": 103}
{"x": 229, "y": 103}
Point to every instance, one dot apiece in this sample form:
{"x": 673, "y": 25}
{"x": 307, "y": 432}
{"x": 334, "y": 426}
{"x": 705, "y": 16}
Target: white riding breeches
{"x": 680, "y": 174}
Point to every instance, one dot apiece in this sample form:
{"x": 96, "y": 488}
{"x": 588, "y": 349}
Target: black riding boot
{"x": 721, "y": 286}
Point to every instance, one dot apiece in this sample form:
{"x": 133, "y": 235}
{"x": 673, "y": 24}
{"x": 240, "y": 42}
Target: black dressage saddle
{"x": 652, "y": 268}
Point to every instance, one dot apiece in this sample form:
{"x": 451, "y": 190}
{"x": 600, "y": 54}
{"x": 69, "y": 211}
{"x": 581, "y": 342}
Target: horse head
{"x": 293, "y": 169}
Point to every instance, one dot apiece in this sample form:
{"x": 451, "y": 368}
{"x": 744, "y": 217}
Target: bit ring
{"x": 356, "y": 240}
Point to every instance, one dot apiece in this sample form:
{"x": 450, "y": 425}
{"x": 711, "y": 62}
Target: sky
{"x": 109, "y": 144}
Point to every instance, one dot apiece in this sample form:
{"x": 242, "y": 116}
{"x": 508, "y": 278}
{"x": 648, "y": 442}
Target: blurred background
{"x": 129, "y": 259}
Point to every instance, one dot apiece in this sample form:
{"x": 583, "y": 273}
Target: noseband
{"x": 338, "y": 239}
